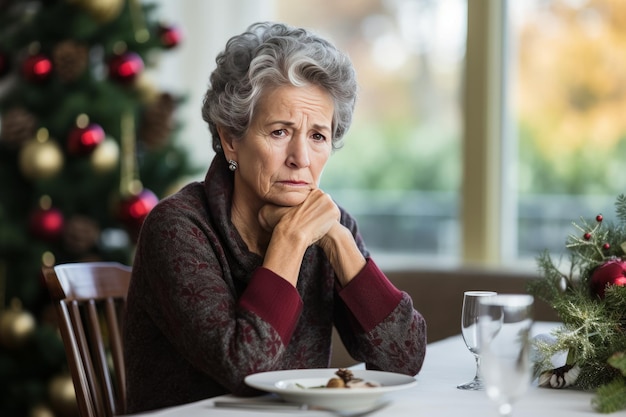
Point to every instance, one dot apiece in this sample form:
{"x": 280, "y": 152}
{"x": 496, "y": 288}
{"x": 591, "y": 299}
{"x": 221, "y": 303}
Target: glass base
{"x": 473, "y": 385}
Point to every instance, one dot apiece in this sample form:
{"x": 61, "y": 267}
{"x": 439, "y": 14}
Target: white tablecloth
{"x": 447, "y": 364}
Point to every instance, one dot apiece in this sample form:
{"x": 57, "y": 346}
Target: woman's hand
{"x": 294, "y": 229}
{"x": 310, "y": 220}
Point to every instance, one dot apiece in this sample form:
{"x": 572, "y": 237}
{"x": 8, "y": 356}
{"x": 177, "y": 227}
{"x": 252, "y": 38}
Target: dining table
{"x": 447, "y": 364}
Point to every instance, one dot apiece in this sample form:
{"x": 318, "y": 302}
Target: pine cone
{"x": 158, "y": 122}
{"x": 70, "y": 60}
{"x": 17, "y": 126}
{"x": 561, "y": 377}
{"x": 80, "y": 234}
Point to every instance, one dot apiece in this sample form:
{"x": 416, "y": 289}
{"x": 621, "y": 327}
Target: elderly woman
{"x": 249, "y": 270}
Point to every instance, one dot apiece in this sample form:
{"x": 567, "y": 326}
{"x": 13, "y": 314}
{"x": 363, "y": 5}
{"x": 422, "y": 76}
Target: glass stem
{"x": 478, "y": 376}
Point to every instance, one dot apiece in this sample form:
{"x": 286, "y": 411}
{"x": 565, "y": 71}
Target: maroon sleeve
{"x": 274, "y": 300}
{"x": 392, "y": 334}
{"x": 370, "y": 296}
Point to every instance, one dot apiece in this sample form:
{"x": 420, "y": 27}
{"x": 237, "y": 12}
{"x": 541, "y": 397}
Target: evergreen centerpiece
{"x": 590, "y": 300}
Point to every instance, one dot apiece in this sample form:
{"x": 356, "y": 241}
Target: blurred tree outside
{"x": 571, "y": 97}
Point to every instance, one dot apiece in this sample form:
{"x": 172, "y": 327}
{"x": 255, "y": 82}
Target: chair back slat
{"x": 114, "y": 314}
{"x": 84, "y": 399}
{"x": 89, "y": 299}
{"x": 85, "y": 358}
{"x": 97, "y": 347}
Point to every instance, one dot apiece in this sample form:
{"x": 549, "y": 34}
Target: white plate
{"x": 302, "y": 386}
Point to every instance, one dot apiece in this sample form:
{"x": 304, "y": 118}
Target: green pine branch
{"x": 610, "y": 397}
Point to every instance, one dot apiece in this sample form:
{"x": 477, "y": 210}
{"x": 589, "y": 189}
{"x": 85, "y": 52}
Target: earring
{"x": 232, "y": 165}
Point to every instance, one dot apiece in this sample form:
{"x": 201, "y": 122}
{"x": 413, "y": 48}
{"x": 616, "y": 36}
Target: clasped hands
{"x": 316, "y": 219}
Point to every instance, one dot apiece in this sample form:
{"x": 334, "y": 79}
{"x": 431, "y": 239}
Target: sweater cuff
{"x": 370, "y": 296}
{"x": 274, "y": 300}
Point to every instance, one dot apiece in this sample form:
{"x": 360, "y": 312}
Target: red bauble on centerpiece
{"x": 124, "y": 68}
{"x": 612, "y": 272}
{"x": 134, "y": 209}
{"x": 37, "y": 68}
{"x": 84, "y": 138}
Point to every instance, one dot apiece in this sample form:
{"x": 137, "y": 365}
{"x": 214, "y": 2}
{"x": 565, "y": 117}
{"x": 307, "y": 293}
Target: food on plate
{"x": 345, "y": 379}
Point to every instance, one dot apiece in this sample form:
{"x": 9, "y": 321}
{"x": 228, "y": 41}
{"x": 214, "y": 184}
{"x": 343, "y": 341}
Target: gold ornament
{"x": 41, "y": 157}
{"x": 106, "y": 156}
{"x": 148, "y": 92}
{"x": 101, "y": 10}
{"x": 62, "y": 396}
{"x": 40, "y": 411}
{"x": 16, "y": 325}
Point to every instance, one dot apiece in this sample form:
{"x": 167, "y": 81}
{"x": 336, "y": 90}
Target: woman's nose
{"x": 298, "y": 152}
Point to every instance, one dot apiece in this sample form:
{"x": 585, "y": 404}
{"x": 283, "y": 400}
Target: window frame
{"x": 487, "y": 203}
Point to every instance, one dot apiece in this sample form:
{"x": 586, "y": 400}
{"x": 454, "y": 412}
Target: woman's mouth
{"x": 294, "y": 183}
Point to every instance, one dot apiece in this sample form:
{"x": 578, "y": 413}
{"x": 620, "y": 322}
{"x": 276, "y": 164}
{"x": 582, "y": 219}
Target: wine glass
{"x": 469, "y": 330}
{"x": 504, "y": 326}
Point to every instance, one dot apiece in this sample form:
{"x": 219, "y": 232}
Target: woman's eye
{"x": 319, "y": 137}
{"x": 279, "y": 133}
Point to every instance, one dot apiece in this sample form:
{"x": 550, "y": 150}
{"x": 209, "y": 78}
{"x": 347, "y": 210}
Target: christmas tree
{"x": 87, "y": 147}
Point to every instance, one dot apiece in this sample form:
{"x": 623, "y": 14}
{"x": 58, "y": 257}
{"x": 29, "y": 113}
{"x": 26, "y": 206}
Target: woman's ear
{"x": 226, "y": 141}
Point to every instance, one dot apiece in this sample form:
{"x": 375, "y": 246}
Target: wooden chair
{"x": 89, "y": 299}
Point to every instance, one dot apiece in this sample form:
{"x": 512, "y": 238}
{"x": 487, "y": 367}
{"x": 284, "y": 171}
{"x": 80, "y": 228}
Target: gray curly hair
{"x": 270, "y": 55}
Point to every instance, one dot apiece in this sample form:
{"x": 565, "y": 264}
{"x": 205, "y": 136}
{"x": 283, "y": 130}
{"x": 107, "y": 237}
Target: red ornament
{"x": 170, "y": 36}
{"x": 133, "y": 210}
{"x": 606, "y": 246}
{"x": 587, "y": 236}
{"x": 4, "y": 64}
{"x": 37, "y": 68}
{"x": 612, "y": 272}
{"x": 124, "y": 68}
{"x": 83, "y": 140}
{"x": 599, "y": 218}
{"x": 46, "y": 224}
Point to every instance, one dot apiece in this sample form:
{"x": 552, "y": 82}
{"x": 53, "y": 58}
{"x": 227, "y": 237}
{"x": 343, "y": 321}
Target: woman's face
{"x": 289, "y": 141}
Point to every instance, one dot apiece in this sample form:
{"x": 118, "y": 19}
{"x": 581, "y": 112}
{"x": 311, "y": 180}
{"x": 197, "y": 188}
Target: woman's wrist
{"x": 285, "y": 252}
{"x": 343, "y": 253}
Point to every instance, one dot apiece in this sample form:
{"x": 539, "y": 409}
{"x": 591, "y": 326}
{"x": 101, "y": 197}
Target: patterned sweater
{"x": 202, "y": 313}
